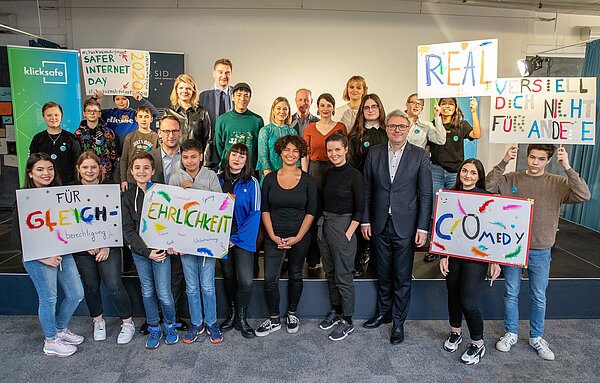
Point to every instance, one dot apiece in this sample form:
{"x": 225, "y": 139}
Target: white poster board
{"x": 457, "y": 69}
{"x": 115, "y": 71}
{"x": 482, "y": 227}
{"x": 65, "y": 219}
{"x": 544, "y": 110}
{"x": 190, "y": 221}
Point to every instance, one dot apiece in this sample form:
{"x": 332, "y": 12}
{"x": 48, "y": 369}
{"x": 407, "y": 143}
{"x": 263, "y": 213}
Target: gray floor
{"x": 308, "y": 356}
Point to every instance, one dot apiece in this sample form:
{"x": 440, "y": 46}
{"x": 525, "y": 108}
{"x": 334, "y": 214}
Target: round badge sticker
{"x": 53, "y": 156}
{"x": 366, "y": 144}
{"x": 98, "y": 142}
{"x": 417, "y": 131}
{"x": 455, "y": 138}
{"x": 63, "y": 148}
{"x": 514, "y": 189}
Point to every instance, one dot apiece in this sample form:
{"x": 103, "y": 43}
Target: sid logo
{"x": 52, "y": 72}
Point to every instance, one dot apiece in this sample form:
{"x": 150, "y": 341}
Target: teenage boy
{"x": 93, "y": 134}
{"x": 143, "y": 139}
{"x": 238, "y": 125}
{"x": 199, "y": 272}
{"x": 153, "y": 266}
{"x": 548, "y": 191}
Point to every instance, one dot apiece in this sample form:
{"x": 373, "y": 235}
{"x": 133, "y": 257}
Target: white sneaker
{"x": 67, "y": 336}
{"x": 542, "y": 348}
{"x": 126, "y": 334}
{"x": 57, "y": 347}
{"x": 506, "y": 342}
{"x": 99, "y": 330}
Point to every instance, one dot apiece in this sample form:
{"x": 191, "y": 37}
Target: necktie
{"x": 222, "y": 104}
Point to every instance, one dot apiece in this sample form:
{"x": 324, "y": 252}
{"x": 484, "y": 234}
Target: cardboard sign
{"x": 544, "y": 110}
{"x": 482, "y": 227}
{"x": 458, "y": 69}
{"x": 66, "y": 219}
{"x": 116, "y": 71}
{"x": 190, "y": 221}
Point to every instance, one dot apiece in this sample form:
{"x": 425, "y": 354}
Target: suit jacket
{"x": 410, "y": 195}
{"x": 207, "y": 101}
{"x": 159, "y": 175}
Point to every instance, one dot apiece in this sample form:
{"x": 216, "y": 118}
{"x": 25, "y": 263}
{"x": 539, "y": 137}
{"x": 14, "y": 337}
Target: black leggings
{"x": 238, "y": 270}
{"x": 464, "y": 281}
{"x": 273, "y": 262}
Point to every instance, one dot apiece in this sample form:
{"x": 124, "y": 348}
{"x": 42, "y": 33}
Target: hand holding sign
{"x": 436, "y": 110}
{"x": 563, "y": 158}
{"x": 473, "y": 105}
{"x": 511, "y": 153}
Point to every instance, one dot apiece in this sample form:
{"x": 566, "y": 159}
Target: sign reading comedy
{"x": 482, "y": 227}
{"x": 65, "y": 219}
{"x": 116, "y": 71}
{"x": 188, "y": 220}
{"x": 544, "y": 110}
{"x": 458, "y": 69}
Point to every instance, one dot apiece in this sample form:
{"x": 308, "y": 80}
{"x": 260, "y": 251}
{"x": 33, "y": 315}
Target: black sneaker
{"x": 292, "y": 323}
{"x": 473, "y": 354}
{"x": 331, "y": 320}
{"x": 268, "y": 327}
{"x": 341, "y": 331}
{"x": 451, "y": 344}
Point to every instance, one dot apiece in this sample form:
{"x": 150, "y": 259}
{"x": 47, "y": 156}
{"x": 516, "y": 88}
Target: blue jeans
{"x": 199, "y": 274}
{"x": 539, "y": 271}
{"x": 442, "y": 179}
{"x": 155, "y": 279}
{"x": 45, "y": 279}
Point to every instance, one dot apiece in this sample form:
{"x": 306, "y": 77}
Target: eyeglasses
{"x": 366, "y": 108}
{"x": 170, "y": 132}
{"x": 397, "y": 127}
{"x": 92, "y": 111}
{"x": 416, "y": 104}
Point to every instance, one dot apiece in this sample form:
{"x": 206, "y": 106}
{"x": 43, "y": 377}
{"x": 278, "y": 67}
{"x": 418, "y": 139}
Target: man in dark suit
{"x": 397, "y": 209}
{"x": 218, "y": 100}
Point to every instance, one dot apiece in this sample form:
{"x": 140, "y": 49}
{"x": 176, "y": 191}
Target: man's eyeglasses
{"x": 366, "y": 108}
{"x": 397, "y": 127}
{"x": 170, "y": 132}
{"x": 416, "y": 104}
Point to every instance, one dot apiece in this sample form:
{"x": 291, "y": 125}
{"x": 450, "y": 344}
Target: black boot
{"x": 242, "y": 322}
{"x": 229, "y": 321}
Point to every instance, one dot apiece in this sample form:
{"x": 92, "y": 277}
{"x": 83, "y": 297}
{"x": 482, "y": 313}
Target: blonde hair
{"x": 288, "y": 120}
{"x": 359, "y": 79}
{"x": 186, "y": 78}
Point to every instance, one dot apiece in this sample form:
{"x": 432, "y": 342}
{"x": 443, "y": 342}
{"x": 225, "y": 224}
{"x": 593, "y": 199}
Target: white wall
{"x": 277, "y": 46}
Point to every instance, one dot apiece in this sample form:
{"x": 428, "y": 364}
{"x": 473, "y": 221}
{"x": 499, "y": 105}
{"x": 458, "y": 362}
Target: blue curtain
{"x": 585, "y": 158}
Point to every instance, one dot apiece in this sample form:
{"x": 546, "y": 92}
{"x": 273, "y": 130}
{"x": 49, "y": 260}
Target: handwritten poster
{"x": 116, "y": 71}
{"x": 65, "y": 219}
{"x": 190, "y": 221}
{"x": 544, "y": 110}
{"x": 457, "y": 69}
{"x": 482, "y": 227}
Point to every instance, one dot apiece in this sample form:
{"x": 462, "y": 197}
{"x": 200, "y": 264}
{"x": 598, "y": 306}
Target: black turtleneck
{"x": 343, "y": 191}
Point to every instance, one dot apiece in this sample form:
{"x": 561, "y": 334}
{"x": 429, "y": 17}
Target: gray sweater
{"x": 548, "y": 191}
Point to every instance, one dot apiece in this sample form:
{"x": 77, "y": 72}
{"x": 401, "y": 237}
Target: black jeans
{"x": 109, "y": 272}
{"x": 273, "y": 262}
{"x": 464, "y": 282}
{"x": 395, "y": 258}
{"x": 238, "y": 271}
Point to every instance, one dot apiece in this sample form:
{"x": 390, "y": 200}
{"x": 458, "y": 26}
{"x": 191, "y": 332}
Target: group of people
{"x": 304, "y": 185}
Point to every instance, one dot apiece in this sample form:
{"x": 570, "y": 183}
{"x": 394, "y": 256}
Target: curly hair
{"x": 297, "y": 141}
